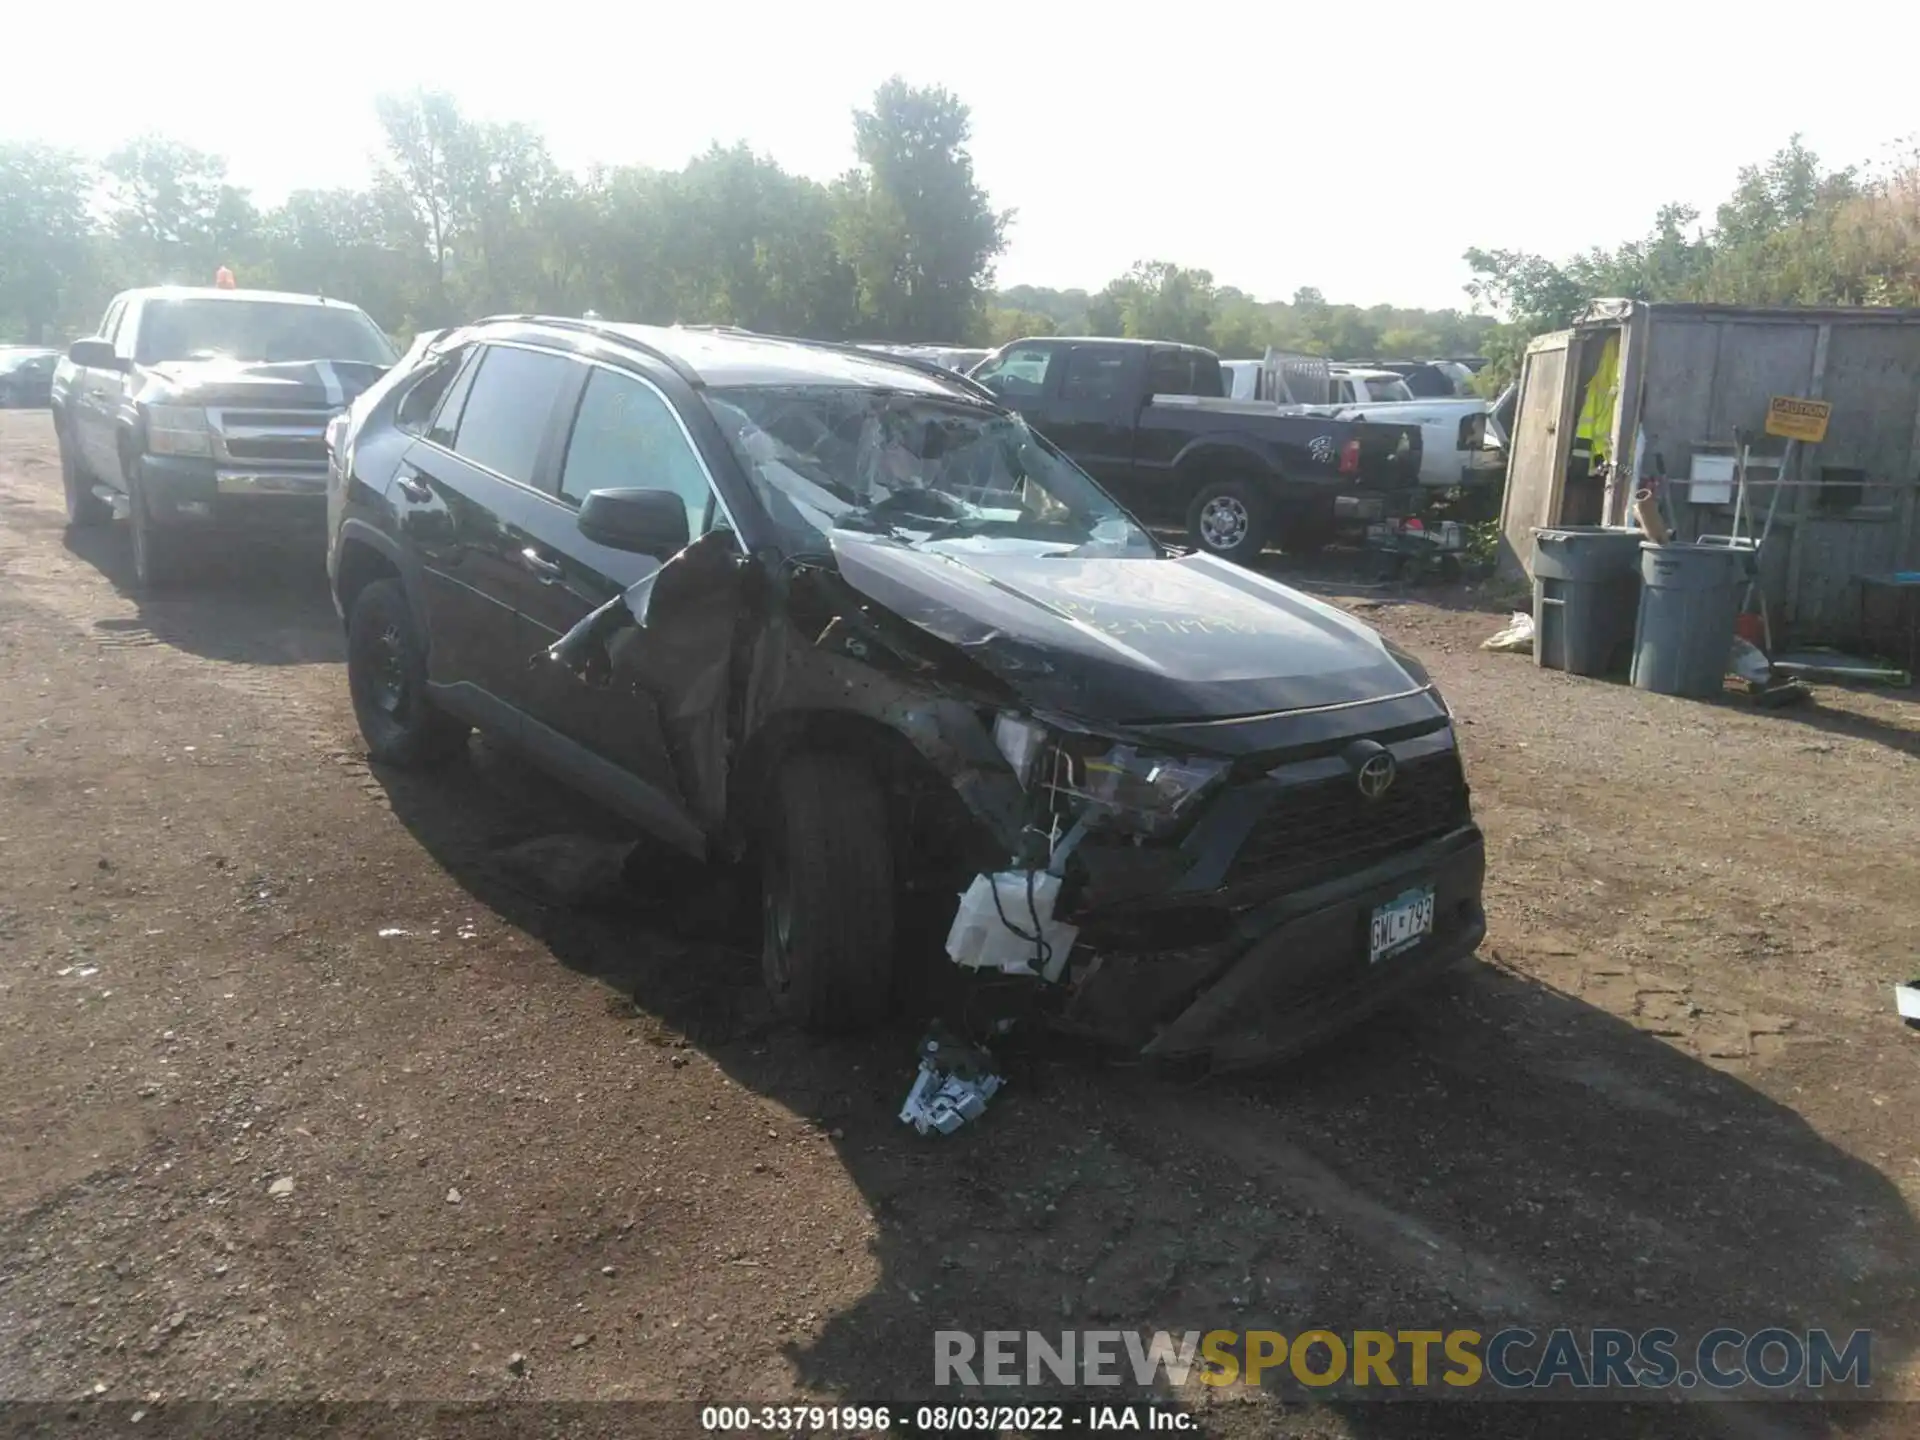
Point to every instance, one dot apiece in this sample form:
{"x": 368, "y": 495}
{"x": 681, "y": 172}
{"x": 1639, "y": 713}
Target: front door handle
{"x": 540, "y": 565}
{"x": 414, "y": 488}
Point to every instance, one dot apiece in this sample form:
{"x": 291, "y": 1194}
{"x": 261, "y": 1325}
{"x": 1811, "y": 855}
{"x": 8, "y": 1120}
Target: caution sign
{"x": 1792, "y": 419}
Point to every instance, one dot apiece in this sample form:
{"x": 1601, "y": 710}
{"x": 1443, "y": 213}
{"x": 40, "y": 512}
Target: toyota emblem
{"x": 1376, "y": 776}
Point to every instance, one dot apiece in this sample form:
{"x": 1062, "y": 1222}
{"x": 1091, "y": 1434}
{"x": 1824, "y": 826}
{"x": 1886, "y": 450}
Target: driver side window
{"x": 626, "y": 435}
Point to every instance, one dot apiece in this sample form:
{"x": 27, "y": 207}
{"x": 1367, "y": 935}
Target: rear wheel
{"x": 387, "y": 678}
{"x": 1229, "y": 518}
{"x": 827, "y": 894}
{"x": 85, "y": 510}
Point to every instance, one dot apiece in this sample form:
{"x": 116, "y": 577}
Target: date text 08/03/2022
{"x": 1094, "y": 1417}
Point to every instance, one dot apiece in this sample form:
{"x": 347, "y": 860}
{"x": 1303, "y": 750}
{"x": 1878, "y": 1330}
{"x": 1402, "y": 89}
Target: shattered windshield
{"x": 265, "y": 331}
{"x": 932, "y": 473}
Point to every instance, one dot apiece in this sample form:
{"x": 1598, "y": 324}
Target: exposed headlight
{"x": 1148, "y": 793}
{"x": 178, "y": 430}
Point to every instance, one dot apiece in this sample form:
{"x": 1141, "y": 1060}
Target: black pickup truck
{"x": 1149, "y": 421}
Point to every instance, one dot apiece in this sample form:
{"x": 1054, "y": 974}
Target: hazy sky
{"x": 1354, "y": 147}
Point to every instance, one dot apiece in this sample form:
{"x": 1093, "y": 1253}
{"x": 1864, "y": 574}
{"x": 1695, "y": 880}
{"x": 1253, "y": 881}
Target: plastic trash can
{"x": 1586, "y": 594}
{"x": 1689, "y": 604}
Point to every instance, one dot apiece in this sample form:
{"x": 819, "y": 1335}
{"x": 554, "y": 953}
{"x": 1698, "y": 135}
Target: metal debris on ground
{"x": 952, "y": 1087}
{"x": 1516, "y": 638}
{"x": 1819, "y": 663}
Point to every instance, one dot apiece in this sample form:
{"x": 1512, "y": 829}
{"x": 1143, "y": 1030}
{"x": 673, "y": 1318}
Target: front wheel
{"x": 1229, "y": 518}
{"x": 826, "y": 868}
{"x": 85, "y": 510}
{"x": 160, "y": 555}
{"x": 387, "y": 678}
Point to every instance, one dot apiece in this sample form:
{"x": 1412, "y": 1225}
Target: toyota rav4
{"x": 848, "y": 618}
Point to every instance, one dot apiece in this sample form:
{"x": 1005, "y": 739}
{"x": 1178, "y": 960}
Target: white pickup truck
{"x": 1463, "y": 439}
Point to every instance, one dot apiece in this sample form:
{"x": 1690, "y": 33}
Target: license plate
{"x": 1401, "y": 922}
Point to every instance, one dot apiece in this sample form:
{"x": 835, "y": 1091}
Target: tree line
{"x": 1793, "y": 232}
{"x": 466, "y": 217}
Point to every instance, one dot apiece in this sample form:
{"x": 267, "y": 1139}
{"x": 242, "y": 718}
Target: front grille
{"x": 273, "y": 437}
{"x": 1330, "y": 826}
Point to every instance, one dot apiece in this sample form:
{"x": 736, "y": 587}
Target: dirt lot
{"x": 1673, "y": 1093}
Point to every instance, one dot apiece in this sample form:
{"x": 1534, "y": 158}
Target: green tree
{"x": 43, "y": 238}
{"x": 915, "y": 226}
{"x": 174, "y": 214}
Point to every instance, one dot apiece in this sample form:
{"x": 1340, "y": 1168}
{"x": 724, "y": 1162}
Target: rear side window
{"x": 1184, "y": 372}
{"x": 418, "y": 404}
{"x": 1095, "y": 375}
{"x": 506, "y": 410}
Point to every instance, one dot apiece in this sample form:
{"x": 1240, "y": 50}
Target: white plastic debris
{"x": 1746, "y": 661}
{"x": 1005, "y": 922}
{"x": 1516, "y": 638}
{"x": 387, "y": 932}
{"x": 1906, "y": 999}
{"x": 943, "y": 1102}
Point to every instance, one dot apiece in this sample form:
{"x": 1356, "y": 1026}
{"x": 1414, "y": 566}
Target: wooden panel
{"x": 1538, "y": 445}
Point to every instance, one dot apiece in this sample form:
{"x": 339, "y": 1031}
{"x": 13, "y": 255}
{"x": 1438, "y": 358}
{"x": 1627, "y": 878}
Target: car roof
{"x": 723, "y": 356}
{"x": 210, "y": 292}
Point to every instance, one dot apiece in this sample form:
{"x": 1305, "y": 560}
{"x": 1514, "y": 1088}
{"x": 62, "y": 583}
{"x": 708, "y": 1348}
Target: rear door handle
{"x": 540, "y": 565}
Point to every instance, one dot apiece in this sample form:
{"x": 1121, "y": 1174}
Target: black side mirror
{"x": 645, "y": 522}
{"x": 95, "y": 354}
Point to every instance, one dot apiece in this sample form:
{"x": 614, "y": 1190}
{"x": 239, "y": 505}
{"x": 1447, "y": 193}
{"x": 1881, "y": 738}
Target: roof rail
{"x": 606, "y": 332}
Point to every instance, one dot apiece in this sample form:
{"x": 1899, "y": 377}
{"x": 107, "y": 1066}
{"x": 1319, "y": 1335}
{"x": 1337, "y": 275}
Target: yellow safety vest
{"x": 1596, "y": 415}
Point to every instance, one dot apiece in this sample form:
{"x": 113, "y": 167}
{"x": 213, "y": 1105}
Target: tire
{"x": 160, "y": 556}
{"x": 85, "y": 510}
{"x": 387, "y": 678}
{"x": 827, "y": 894}
{"x": 1229, "y": 518}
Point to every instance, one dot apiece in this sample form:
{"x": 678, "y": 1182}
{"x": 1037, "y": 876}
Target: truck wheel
{"x": 387, "y": 678}
{"x": 159, "y": 555}
{"x": 85, "y": 510}
{"x": 826, "y": 882}
{"x": 1228, "y": 518}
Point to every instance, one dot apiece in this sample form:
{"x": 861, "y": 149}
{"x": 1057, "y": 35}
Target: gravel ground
{"x": 305, "y": 1094}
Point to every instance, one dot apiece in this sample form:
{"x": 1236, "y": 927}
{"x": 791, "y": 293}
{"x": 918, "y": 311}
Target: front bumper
{"x": 189, "y": 493}
{"x": 1293, "y": 971}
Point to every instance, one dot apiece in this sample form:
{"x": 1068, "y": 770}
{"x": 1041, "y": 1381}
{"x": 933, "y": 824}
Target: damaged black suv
{"x": 845, "y": 616}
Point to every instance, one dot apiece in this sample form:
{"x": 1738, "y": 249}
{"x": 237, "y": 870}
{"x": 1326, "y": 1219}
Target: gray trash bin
{"x": 1689, "y": 603}
{"x": 1586, "y": 593}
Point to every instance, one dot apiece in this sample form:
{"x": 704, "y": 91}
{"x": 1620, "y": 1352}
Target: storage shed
{"x": 1675, "y": 388}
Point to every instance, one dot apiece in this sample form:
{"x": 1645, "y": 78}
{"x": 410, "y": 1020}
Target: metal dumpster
{"x": 1586, "y": 594}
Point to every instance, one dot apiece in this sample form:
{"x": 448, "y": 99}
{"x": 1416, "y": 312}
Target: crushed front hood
{"x": 1127, "y": 641}
{"x": 295, "y": 384}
